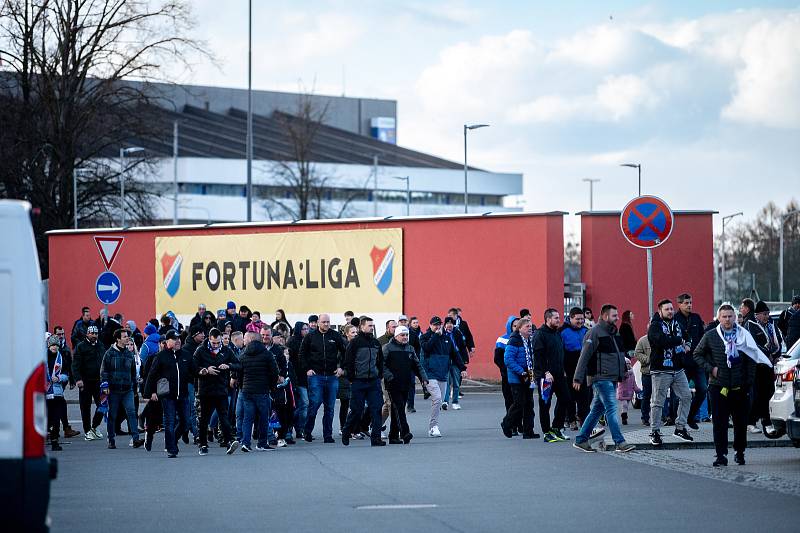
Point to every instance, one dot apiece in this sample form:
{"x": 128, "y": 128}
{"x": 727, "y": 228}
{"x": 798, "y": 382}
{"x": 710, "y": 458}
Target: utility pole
{"x": 784, "y": 218}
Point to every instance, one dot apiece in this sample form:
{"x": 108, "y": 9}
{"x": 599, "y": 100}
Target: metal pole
{"x": 466, "y": 198}
{"x": 650, "y": 281}
{"x": 75, "y": 196}
{"x": 408, "y": 196}
{"x": 591, "y": 195}
{"x": 375, "y": 185}
{"x": 122, "y": 185}
{"x": 249, "y": 148}
{"x": 722, "y": 260}
{"x": 175, "y": 171}
{"x": 640, "y": 184}
{"x": 784, "y": 218}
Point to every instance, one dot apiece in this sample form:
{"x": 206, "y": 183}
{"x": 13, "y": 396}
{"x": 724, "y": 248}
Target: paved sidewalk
{"x": 703, "y": 438}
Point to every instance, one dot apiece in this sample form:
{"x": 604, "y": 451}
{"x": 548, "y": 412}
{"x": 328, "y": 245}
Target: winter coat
{"x": 57, "y": 388}
{"x": 214, "y": 385}
{"x": 548, "y": 353}
{"x": 460, "y": 343}
{"x": 107, "y": 333}
{"x": 602, "y": 358}
{"x": 413, "y": 339}
{"x": 86, "y": 361}
{"x": 642, "y": 354}
{"x": 666, "y": 340}
{"x": 710, "y": 353}
{"x": 178, "y": 369}
{"x": 692, "y": 327}
{"x": 78, "y": 334}
{"x": 150, "y": 346}
{"x": 500, "y": 346}
{"x": 400, "y": 360}
{"x": 516, "y": 357}
{"x": 322, "y": 352}
{"x": 627, "y": 387}
{"x": 573, "y": 338}
{"x": 294, "y": 343}
{"x": 628, "y": 338}
{"x": 259, "y": 369}
{"x": 118, "y": 369}
{"x": 761, "y": 334}
{"x": 363, "y": 358}
{"x": 438, "y": 353}
{"x": 789, "y": 324}
{"x": 462, "y": 326}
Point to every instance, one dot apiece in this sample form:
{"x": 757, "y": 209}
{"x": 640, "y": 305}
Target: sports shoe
{"x": 97, "y": 433}
{"x": 558, "y": 433}
{"x": 245, "y": 448}
{"x": 89, "y": 436}
{"x": 360, "y": 436}
{"x": 596, "y": 432}
{"x": 411, "y": 410}
{"x": 172, "y": 455}
{"x": 308, "y": 438}
{"x": 395, "y": 441}
{"x": 203, "y": 450}
{"x": 506, "y": 431}
{"x": 456, "y": 407}
{"x": 444, "y": 406}
{"x": 683, "y": 435}
{"x": 130, "y": 443}
{"x": 739, "y": 458}
{"x": 281, "y": 443}
{"x": 770, "y": 431}
{"x": 266, "y": 448}
{"x": 624, "y": 447}
{"x": 328, "y": 440}
{"x": 233, "y": 447}
{"x": 655, "y": 438}
{"x": 434, "y": 432}
{"x": 692, "y": 424}
{"x": 753, "y": 428}
{"x": 112, "y": 445}
{"x": 383, "y": 435}
{"x": 407, "y": 438}
{"x": 549, "y": 437}
{"x": 584, "y": 447}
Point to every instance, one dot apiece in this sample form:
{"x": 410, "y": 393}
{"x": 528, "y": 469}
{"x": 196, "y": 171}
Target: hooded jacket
{"x": 294, "y": 343}
{"x": 602, "y": 358}
{"x": 259, "y": 369}
{"x": 500, "y": 345}
{"x": 516, "y": 357}
{"x": 363, "y": 358}
{"x": 666, "y": 338}
{"x": 438, "y": 353}
{"x": 399, "y": 362}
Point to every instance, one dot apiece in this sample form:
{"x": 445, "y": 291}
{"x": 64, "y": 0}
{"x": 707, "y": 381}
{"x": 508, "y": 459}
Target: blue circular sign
{"x": 108, "y": 287}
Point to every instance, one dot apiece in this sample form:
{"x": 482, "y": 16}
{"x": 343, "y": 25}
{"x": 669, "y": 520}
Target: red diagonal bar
{"x": 647, "y": 221}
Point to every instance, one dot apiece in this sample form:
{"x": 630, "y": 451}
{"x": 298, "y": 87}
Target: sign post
{"x": 647, "y": 222}
{"x": 108, "y": 286}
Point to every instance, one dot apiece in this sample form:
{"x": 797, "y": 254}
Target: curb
{"x": 777, "y": 443}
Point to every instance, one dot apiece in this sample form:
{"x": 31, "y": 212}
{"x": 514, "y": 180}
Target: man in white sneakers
{"x": 438, "y": 352}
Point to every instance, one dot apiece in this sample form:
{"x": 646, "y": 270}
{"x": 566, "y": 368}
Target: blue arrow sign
{"x": 108, "y": 287}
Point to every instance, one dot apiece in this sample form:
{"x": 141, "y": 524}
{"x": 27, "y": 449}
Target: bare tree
{"x": 307, "y": 188}
{"x": 64, "y": 104}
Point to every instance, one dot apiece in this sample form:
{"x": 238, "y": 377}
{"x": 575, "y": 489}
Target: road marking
{"x": 396, "y": 506}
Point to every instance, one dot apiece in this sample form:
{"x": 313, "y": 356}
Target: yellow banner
{"x": 301, "y": 272}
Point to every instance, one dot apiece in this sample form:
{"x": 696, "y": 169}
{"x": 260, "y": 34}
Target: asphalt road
{"x": 472, "y": 479}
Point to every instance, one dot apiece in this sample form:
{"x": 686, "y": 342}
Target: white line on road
{"x": 396, "y": 506}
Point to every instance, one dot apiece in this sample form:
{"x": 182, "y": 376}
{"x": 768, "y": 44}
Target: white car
{"x": 781, "y": 405}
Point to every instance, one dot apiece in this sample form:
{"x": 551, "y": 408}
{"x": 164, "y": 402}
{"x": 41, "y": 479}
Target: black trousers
{"x": 735, "y": 406}
{"x": 577, "y": 402}
{"x": 508, "y": 397}
{"x": 285, "y": 412}
{"x": 398, "y": 427}
{"x": 521, "y": 411}
{"x": 56, "y": 408}
{"x": 763, "y": 390}
{"x": 207, "y": 406}
{"x": 558, "y": 390}
{"x": 344, "y": 405}
{"x": 90, "y": 392}
{"x": 154, "y": 416}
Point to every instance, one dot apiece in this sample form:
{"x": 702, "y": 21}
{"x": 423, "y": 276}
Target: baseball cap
{"x": 436, "y": 321}
{"x": 91, "y": 329}
{"x": 402, "y": 317}
{"x": 171, "y": 335}
{"x": 401, "y": 330}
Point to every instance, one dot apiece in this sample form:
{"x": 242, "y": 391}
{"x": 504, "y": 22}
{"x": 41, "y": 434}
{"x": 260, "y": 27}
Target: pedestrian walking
{"x": 769, "y": 340}
{"x": 259, "y": 372}
{"x": 519, "y": 369}
{"x": 86, "y": 371}
{"x": 118, "y": 369}
{"x": 642, "y": 354}
{"x": 551, "y": 377}
{"x": 439, "y": 352}
{"x": 321, "y": 353}
{"x": 363, "y": 366}
{"x": 401, "y": 365}
{"x": 499, "y": 361}
{"x": 693, "y": 328}
{"x": 54, "y": 397}
{"x": 572, "y": 335}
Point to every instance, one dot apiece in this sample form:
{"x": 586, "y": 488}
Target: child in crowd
{"x": 626, "y": 389}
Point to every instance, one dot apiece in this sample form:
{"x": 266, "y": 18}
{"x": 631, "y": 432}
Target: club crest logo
{"x": 171, "y": 270}
{"x": 382, "y": 263}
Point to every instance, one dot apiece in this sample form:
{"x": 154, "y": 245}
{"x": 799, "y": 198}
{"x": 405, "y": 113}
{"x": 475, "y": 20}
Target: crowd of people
{"x": 233, "y": 378}
{"x": 236, "y": 379}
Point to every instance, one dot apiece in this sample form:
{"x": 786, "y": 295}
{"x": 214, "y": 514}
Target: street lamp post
{"x": 784, "y": 218}
{"x": 591, "y": 182}
{"x": 725, "y": 221}
{"x": 466, "y": 128}
{"x": 175, "y": 172}
{"x": 75, "y": 192}
{"x": 249, "y": 143}
{"x": 122, "y": 153}
{"x": 637, "y": 166}
{"x": 408, "y": 193}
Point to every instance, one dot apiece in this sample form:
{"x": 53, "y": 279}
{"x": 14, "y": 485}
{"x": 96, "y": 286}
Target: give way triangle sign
{"x": 109, "y": 248}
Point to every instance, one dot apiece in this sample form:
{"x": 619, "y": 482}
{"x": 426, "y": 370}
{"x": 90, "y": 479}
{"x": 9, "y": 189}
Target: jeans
{"x": 734, "y": 405}
{"x": 322, "y": 390}
{"x": 521, "y": 411}
{"x": 605, "y": 401}
{"x": 454, "y": 382}
{"x": 300, "y": 409}
{"x": 647, "y": 393}
{"x": 698, "y": 375}
{"x": 90, "y": 392}
{"x": 170, "y": 408}
{"x": 361, "y": 391}
{"x": 239, "y": 416}
{"x": 115, "y": 399}
{"x": 662, "y": 382}
{"x": 261, "y": 404}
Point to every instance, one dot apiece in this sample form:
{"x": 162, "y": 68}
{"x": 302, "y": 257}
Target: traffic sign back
{"x": 108, "y": 247}
{"x": 108, "y": 287}
{"x": 646, "y": 221}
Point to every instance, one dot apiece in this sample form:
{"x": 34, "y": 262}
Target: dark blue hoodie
{"x": 500, "y": 345}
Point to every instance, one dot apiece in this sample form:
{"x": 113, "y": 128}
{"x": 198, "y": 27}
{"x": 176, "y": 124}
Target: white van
{"x": 24, "y": 468}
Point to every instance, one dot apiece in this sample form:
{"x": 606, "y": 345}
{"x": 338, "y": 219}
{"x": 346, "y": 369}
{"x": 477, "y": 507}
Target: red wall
{"x": 489, "y": 266}
{"x": 615, "y": 271}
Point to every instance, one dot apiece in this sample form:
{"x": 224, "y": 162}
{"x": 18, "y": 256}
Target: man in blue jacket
{"x": 519, "y": 368}
{"x": 572, "y": 333}
{"x": 438, "y": 352}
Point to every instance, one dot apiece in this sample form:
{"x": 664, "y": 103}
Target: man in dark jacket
{"x": 260, "y": 375}
{"x": 438, "y": 354}
{"x": 214, "y": 363}
{"x": 321, "y": 353}
{"x": 769, "y": 340}
{"x": 388, "y": 335}
{"x": 414, "y": 334}
{"x": 400, "y": 365}
{"x": 602, "y": 362}
{"x": 548, "y": 367}
{"x": 789, "y": 322}
{"x": 518, "y": 361}
{"x": 195, "y": 338}
{"x": 300, "y": 388}
{"x": 80, "y": 327}
{"x": 172, "y": 365}
{"x": 197, "y": 319}
{"x": 462, "y": 326}
{"x": 118, "y": 369}
{"x": 454, "y": 373}
{"x": 693, "y": 329}
{"x": 363, "y": 367}
{"x": 66, "y": 358}
{"x": 572, "y": 334}
{"x": 112, "y": 324}
{"x": 668, "y": 347}
{"x": 732, "y": 372}
{"x": 86, "y": 373}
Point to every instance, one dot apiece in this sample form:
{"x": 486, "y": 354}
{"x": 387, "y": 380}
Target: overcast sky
{"x": 706, "y": 95}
